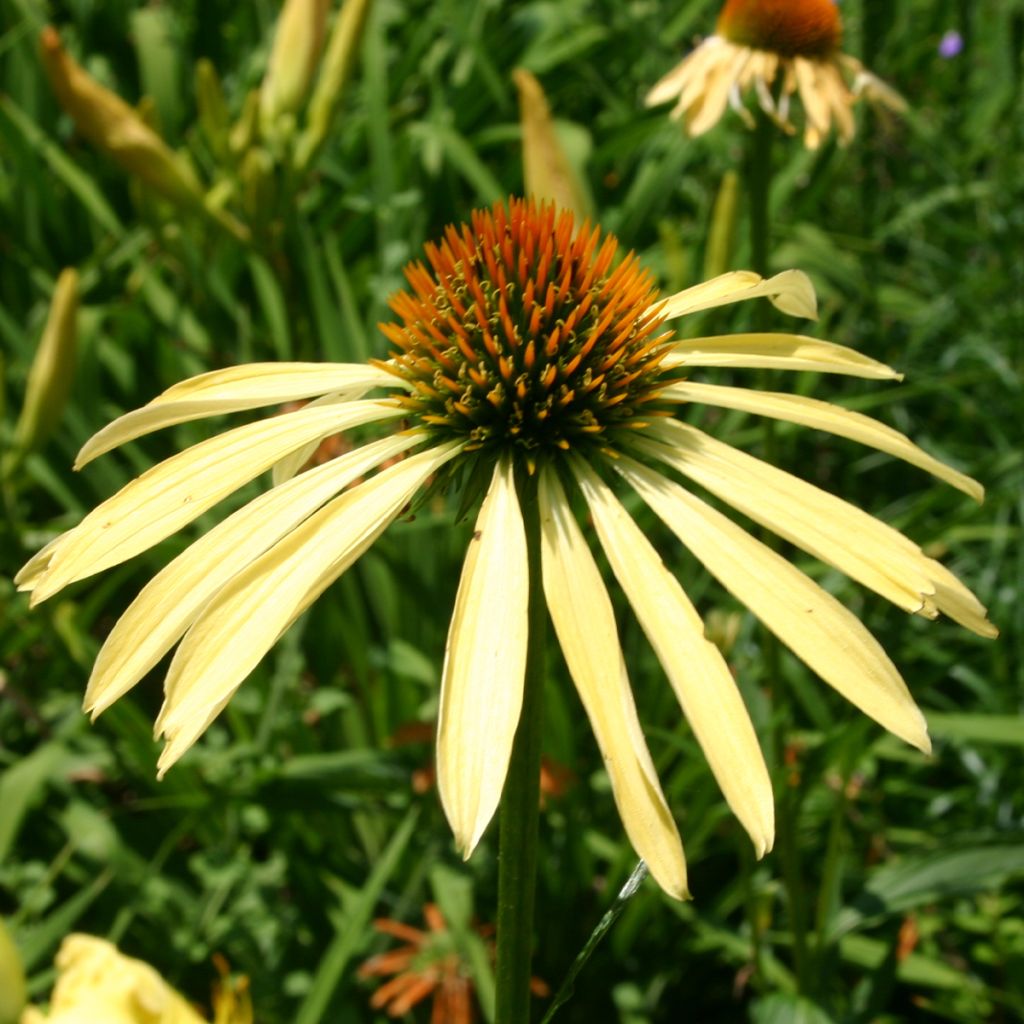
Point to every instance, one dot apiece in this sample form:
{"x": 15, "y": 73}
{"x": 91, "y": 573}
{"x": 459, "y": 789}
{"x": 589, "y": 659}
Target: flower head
{"x": 778, "y": 48}
{"x": 528, "y": 357}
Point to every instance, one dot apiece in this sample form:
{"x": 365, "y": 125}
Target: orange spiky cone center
{"x": 790, "y": 28}
{"x": 523, "y": 335}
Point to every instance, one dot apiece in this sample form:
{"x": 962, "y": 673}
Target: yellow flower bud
{"x": 113, "y": 126}
{"x": 53, "y": 369}
{"x": 298, "y": 40}
{"x": 337, "y": 67}
{"x": 97, "y": 983}
{"x": 12, "y": 979}
{"x": 212, "y": 107}
{"x": 547, "y": 170}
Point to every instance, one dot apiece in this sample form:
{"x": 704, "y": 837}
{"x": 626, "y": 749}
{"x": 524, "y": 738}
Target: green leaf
{"x": 349, "y": 939}
{"x": 933, "y": 877}
{"x": 783, "y": 1008}
{"x": 1004, "y": 730}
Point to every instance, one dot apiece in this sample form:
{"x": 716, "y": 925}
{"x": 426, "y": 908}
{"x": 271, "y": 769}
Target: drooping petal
{"x": 834, "y": 419}
{"x": 707, "y": 108}
{"x": 289, "y": 466}
{"x": 29, "y": 575}
{"x": 831, "y": 529}
{"x": 776, "y": 352}
{"x": 585, "y": 624}
{"x": 247, "y": 616}
{"x": 695, "y": 667}
{"x": 791, "y": 292}
{"x": 813, "y": 624}
{"x": 670, "y": 85}
{"x": 234, "y": 389}
{"x": 169, "y": 603}
{"x": 173, "y": 493}
{"x": 485, "y": 665}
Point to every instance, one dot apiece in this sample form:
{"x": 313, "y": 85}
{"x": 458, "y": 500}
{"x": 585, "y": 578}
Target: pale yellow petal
{"x": 485, "y": 665}
{"x": 835, "y": 531}
{"x": 706, "y": 111}
{"x": 670, "y": 85}
{"x": 35, "y": 568}
{"x": 812, "y": 623}
{"x": 695, "y": 667}
{"x": 173, "y": 493}
{"x": 248, "y": 615}
{"x": 585, "y": 624}
{"x": 816, "y": 107}
{"x": 235, "y": 389}
{"x": 825, "y": 416}
{"x": 290, "y": 465}
{"x": 169, "y": 603}
{"x": 776, "y": 352}
{"x": 791, "y": 292}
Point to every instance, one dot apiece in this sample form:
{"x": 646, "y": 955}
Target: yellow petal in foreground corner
{"x": 485, "y": 665}
{"x": 97, "y": 984}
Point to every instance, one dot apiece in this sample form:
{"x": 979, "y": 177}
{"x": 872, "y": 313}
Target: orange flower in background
{"x": 430, "y": 964}
{"x": 778, "y": 49}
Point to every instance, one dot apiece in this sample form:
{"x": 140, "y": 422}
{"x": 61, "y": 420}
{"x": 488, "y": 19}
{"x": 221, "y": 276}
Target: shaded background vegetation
{"x": 295, "y": 821}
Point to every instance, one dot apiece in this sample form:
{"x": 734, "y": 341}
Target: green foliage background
{"x": 294, "y": 822}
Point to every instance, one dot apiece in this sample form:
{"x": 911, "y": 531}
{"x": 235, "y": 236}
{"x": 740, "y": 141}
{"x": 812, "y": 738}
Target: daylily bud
{"x": 213, "y": 110}
{"x": 244, "y": 133}
{"x": 112, "y": 125}
{"x": 298, "y": 40}
{"x": 12, "y": 980}
{"x": 258, "y": 185}
{"x": 722, "y": 234}
{"x": 53, "y": 369}
{"x": 547, "y": 170}
{"x": 337, "y": 67}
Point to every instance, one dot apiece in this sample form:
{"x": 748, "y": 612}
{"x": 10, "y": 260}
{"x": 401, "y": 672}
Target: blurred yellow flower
{"x": 96, "y": 984}
{"x": 298, "y": 40}
{"x": 528, "y": 357}
{"x": 778, "y": 48}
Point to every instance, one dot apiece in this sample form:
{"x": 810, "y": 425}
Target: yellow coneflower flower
{"x": 97, "y": 984}
{"x": 526, "y": 356}
{"x": 778, "y": 48}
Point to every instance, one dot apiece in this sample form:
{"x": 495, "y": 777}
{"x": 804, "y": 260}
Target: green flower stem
{"x": 759, "y": 180}
{"x": 520, "y": 804}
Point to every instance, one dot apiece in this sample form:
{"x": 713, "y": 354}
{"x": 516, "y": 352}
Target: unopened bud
{"x": 245, "y": 131}
{"x": 12, "y": 980}
{"x": 298, "y": 39}
{"x": 342, "y": 49}
{"x": 214, "y": 121}
{"x": 113, "y": 126}
{"x": 259, "y": 187}
{"x": 53, "y": 369}
{"x": 721, "y": 242}
{"x": 547, "y": 171}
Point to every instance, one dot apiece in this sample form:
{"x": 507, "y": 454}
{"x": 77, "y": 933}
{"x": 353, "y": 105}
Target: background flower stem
{"x": 520, "y": 803}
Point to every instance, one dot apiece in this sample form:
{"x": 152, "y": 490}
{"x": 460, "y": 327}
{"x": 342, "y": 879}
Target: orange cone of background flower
{"x": 777, "y": 49}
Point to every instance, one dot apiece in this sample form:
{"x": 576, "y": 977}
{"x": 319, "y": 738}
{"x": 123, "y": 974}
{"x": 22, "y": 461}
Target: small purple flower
{"x": 951, "y": 45}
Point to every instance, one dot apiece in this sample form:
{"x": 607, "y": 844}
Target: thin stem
{"x": 520, "y": 803}
{"x": 759, "y": 180}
